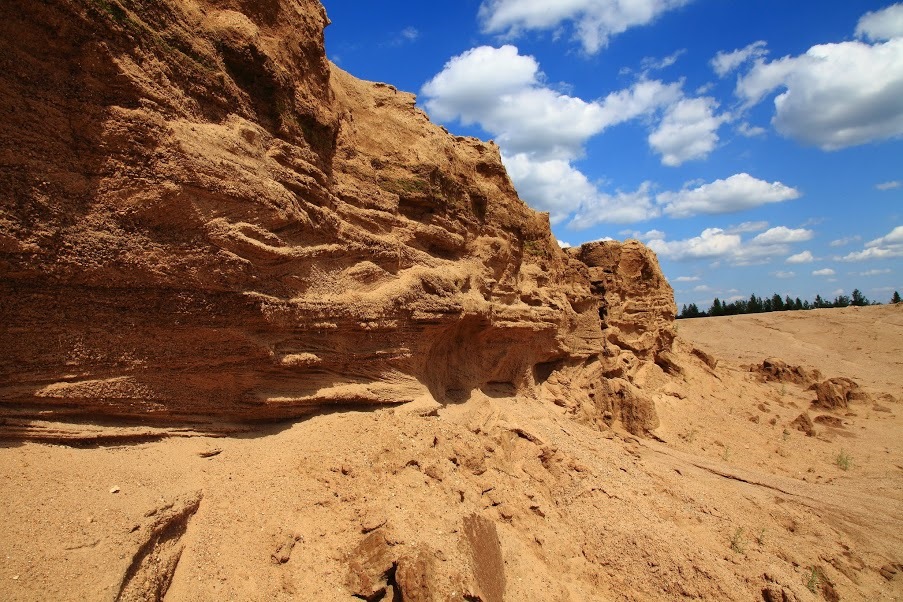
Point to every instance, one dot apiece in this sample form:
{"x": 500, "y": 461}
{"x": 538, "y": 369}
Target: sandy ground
{"x": 731, "y": 503}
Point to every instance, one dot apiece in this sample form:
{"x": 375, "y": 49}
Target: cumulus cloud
{"x": 552, "y": 185}
{"x": 881, "y": 24}
{"x": 783, "y": 235}
{"x": 803, "y": 257}
{"x": 715, "y": 243}
{"x": 557, "y": 187}
{"x": 711, "y": 243}
{"x": 837, "y": 95}
{"x": 784, "y": 275}
{"x": 501, "y": 90}
{"x": 736, "y": 193}
{"x": 594, "y": 22}
{"x": 889, "y": 185}
{"x": 727, "y": 62}
{"x": 824, "y": 272}
{"x": 873, "y": 272}
{"x": 687, "y": 131}
{"x": 885, "y": 247}
{"x": 687, "y": 279}
{"x": 542, "y": 131}
{"x": 618, "y": 208}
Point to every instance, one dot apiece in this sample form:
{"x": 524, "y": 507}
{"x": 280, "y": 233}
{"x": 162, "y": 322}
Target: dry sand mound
{"x": 491, "y": 498}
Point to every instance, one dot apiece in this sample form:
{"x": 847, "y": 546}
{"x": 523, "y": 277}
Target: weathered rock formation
{"x": 203, "y": 220}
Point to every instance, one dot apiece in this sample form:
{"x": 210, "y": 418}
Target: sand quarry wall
{"x": 202, "y": 220}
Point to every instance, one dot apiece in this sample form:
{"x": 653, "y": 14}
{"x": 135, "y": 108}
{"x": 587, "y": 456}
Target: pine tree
{"x": 717, "y": 309}
{"x": 859, "y": 299}
{"x": 895, "y": 298}
{"x": 777, "y": 304}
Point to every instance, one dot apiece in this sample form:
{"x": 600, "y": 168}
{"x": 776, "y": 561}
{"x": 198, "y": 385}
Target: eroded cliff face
{"x": 203, "y": 221}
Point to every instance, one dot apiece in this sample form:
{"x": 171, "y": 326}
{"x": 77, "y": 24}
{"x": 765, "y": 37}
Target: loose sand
{"x": 732, "y": 501}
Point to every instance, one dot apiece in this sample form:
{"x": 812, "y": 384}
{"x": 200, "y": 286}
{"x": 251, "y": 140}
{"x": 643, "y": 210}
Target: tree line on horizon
{"x": 757, "y": 305}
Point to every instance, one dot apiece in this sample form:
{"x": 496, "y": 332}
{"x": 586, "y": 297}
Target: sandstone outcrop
{"x": 837, "y": 393}
{"x": 204, "y": 221}
{"x": 636, "y": 302}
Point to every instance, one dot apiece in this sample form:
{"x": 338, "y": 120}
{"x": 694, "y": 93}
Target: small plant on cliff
{"x": 536, "y": 249}
{"x": 844, "y": 460}
{"x": 737, "y": 542}
{"x": 814, "y": 580}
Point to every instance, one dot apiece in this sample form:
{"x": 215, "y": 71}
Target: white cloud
{"x": 750, "y": 131}
{"x": 650, "y": 63}
{"x": 471, "y": 82}
{"x": 687, "y": 279}
{"x": 410, "y": 33}
{"x": 542, "y": 131}
{"x": 702, "y": 288}
{"x": 889, "y": 185}
{"x": 838, "y": 291}
{"x": 804, "y": 257}
{"x": 557, "y": 187}
{"x": 784, "y": 275}
{"x": 726, "y": 62}
{"x": 842, "y": 242}
{"x": 564, "y": 245}
{"x": 885, "y": 247}
{"x": 834, "y": 95}
{"x": 782, "y": 235}
{"x": 882, "y": 24}
{"x": 551, "y": 185}
{"x": 501, "y": 90}
{"x": 687, "y": 131}
{"x": 642, "y": 235}
{"x": 618, "y": 208}
{"x": 736, "y": 193}
{"x": 746, "y": 227}
{"x": 643, "y": 98}
{"x": 711, "y": 243}
{"x": 594, "y": 21}
{"x": 874, "y": 272}
{"x": 715, "y": 243}
{"x": 824, "y": 272}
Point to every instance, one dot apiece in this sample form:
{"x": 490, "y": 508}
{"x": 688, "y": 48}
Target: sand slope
{"x": 725, "y": 506}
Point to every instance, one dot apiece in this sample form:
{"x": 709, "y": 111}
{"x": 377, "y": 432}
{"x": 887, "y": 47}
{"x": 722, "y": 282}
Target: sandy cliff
{"x": 204, "y": 221}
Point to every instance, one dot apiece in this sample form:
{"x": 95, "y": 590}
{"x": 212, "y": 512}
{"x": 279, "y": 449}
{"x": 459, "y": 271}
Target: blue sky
{"x": 755, "y": 145}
